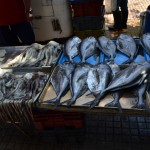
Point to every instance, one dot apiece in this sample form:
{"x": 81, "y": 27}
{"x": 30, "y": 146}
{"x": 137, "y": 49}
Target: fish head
{"x": 68, "y": 67}
{"x": 102, "y": 40}
{"x": 91, "y": 39}
{"x": 145, "y": 40}
{"x": 89, "y": 42}
{"x": 76, "y": 40}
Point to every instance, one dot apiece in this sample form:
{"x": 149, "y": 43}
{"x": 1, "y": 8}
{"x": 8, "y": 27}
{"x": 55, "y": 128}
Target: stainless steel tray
{"x": 13, "y": 51}
{"x": 127, "y": 101}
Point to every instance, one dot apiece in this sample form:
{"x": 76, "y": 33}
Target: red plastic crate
{"x": 54, "y": 119}
{"x": 92, "y": 9}
{"x": 77, "y": 10}
{"x": 87, "y": 9}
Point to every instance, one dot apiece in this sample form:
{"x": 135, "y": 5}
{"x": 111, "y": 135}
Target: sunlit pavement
{"x": 135, "y": 7}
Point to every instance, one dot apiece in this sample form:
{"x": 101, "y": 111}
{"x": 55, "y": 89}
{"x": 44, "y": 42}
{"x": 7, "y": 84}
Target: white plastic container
{"x": 47, "y": 11}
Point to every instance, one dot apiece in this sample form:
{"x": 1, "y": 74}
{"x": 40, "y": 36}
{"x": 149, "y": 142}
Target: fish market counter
{"x": 24, "y": 72}
{"x": 87, "y": 76}
{"x": 111, "y": 78}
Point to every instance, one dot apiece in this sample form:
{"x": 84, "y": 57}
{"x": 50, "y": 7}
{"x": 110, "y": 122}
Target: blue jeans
{"x": 18, "y": 34}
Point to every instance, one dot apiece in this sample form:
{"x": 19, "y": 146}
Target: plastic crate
{"x": 92, "y": 9}
{"x": 54, "y": 119}
{"x": 88, "y": 23}
{"x": 77, "y": 10}
{"x": 88, "y": 9}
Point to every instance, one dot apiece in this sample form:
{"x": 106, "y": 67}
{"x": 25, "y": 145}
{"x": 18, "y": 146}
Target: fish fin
{"x": 82, "y": 76}
{"x": 114, "y": 104}
{"x": 96, "y": 55}
{"x": 88, "y": 103}
{"x": 70, "y": 103}
{"x": 83, "y": 91}
{"x": 142, "y": 106}
{"x": 89, "y": 94}
{"x": 64, "y": 101}
{"x": 98, "y": 99}
{"x": 95, "y": 103}
{"x": 55, "y": 101}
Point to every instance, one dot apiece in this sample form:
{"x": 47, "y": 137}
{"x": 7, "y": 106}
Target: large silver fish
{"x": 129, "y": 77}
{"x": 98, "y": 78}
{"x": 87, "y": 47}
{"x": 140, "y": 92}
{"x": 117, "y": 94}
{"x": 71, "y": 48}
{"x": 107, "y": 46}
{"x": 78, "y": 82}
{"x": 126, "y": 44}
{"x": 60, "y": 81}
{"x": 145, "y": 42}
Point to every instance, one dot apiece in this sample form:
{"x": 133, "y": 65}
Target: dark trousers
{"x": 121, "y": 14}
{"x": 18, "y": 34}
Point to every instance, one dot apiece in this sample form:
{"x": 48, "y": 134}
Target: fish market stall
{"x": 24, "y": 72}
{"x": 91, "y": 77}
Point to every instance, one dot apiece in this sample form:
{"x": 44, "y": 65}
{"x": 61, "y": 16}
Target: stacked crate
{"x": 45, "y": 120}
{"x": 87, "y": 17}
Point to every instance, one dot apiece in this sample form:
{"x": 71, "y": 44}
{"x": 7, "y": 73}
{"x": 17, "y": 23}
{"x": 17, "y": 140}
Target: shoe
{"x": 124, "y": 30}
{"x": 112, "y": 28}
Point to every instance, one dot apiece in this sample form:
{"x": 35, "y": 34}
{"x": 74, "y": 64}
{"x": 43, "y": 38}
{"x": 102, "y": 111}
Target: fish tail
{"x": 97, "y": 100}
{"x": 65, "y": 101}
{"x": 55, "y": 101}
{"x": 83, "y": 60}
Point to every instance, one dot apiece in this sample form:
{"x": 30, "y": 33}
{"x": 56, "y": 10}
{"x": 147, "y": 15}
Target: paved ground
{"x": 135, "y": 8}
{"x": 99, "y": 132}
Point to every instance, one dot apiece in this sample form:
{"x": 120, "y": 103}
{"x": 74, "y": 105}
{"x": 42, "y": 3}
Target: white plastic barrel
{"x": 52, "y": 19}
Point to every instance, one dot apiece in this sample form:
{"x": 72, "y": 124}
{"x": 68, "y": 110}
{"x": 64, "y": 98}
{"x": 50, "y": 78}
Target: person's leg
{"x": 124, "y": 13}
{"x": 117, "y": 17}
{"x": 25, "y": 32}
{"x": 7, "y": 38}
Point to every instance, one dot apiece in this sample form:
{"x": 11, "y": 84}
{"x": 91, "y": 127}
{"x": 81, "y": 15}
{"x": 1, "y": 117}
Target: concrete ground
{"x": 135, "y": 7}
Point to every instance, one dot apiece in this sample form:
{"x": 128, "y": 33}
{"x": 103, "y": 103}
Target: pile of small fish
{"x": 101, "y": 78}
{"x": 21, "y": 87}
{"x": 36, "y": 55}
{"x": 17, "y": 94}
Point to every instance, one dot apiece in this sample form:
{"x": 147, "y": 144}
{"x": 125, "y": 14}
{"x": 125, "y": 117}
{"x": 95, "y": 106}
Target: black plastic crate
{"x": 88, "y": 22}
